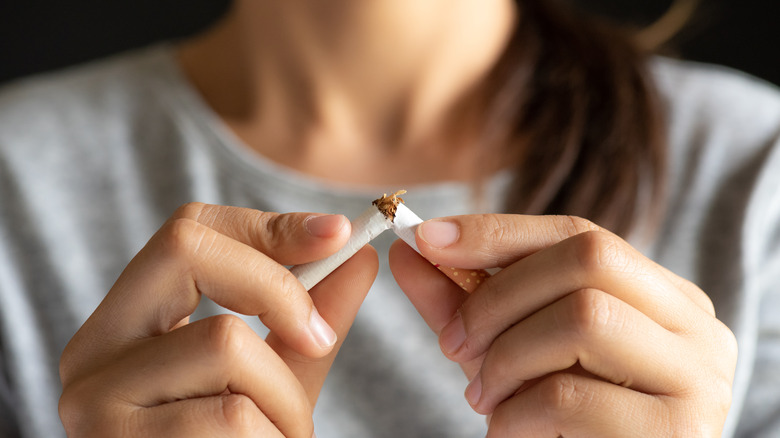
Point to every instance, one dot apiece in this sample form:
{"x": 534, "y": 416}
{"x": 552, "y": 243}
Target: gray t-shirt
{"x": 94, "y": 159}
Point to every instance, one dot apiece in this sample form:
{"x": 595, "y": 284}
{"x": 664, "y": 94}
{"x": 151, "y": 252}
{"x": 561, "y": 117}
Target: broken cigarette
{"x": 368, "y": 225}
{"x": 387, "y": 212}
{"x": 405, "y": 227}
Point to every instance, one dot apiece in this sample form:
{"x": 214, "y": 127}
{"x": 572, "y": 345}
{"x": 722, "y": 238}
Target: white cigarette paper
{"x": 387, "y": 212}
{"x": 405, "y": 225}
{"x": 365, "y": 228}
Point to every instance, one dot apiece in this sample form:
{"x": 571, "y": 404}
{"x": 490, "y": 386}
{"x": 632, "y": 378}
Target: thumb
{"x": 337, "y": 298}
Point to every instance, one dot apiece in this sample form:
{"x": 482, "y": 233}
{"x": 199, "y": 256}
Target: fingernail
{"x": 324, "y": 226}
{"x": 453, "y": 336}
{"x": 474, "y": 390}
{"x": 323, "y": 334}
{"x": 439, "y": 234}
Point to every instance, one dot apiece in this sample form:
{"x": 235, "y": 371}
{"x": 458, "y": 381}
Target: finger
{"x": 434, "y": 296}
{"x": 338, "y": 298}
{"x": 487, "y": 241}
{"x": 574, "y": 406}
{"x": 494, "y": 240}
{"x": 233, "y": 415}
{"x": 163, "y": 283}
{"x": 289, "y": 239}
{"x": 207, "y": 358}
{"x": 589, "y": 260}
{"x": 592, "y": 329}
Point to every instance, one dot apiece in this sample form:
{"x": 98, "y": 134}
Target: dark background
{"x": 39, "y": 35}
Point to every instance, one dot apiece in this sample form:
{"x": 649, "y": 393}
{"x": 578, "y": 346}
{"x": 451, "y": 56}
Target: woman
{"x": 472, "y": 106}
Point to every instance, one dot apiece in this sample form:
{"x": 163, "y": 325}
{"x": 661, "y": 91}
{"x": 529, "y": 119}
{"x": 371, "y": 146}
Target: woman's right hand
{"x": 138, "y": 367}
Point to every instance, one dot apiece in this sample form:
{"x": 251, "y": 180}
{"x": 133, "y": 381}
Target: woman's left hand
{"x": 578, "y": 335}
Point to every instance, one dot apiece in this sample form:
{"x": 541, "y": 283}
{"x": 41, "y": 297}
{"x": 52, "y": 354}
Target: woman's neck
{"x": 308, "y": 82}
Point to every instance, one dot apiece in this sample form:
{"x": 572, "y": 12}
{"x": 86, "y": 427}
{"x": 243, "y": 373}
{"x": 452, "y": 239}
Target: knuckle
{"x": 81, "y": 415}
{"x": 494, "y": 226}
{"x": 708, "y": 407}
{"x": 66, "y": 365}
{"x": 598, "y": 251}
{"x": 273, "y": 225}
{"x": 181, "y": 237}
{"x": 291, "y": 294}
{"x": 574, "y": 225}
{"x": 70, "y": 413}
{"x": 704, "y": 300}
{"x": 561, "y": 397}
{"x": 226, "y": 336}
{"x": 696, "y": 294}
{"x": 271, "y": 231}
{"x": 722, "y": 394}
{"x": 591, "y": 313}
{"x": 288, "y": 286}
{"x": 497, "y": 236}
{"x": 729, "y": 345}
{"x": 725, "y": 348}
{"x": 239, "y": 414}
{"x": 190, "y": 210}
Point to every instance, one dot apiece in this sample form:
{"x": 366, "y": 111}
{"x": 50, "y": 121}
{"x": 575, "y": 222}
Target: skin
{"x": 138, "y": 367}
{"x": 376, "y": 84}
{"x": 579, "y": 335}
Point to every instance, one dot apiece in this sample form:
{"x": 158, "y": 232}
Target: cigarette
{"x": 405, "y": 226}
{"x": 387, "y": 212}
{"x": 365, "y": 228}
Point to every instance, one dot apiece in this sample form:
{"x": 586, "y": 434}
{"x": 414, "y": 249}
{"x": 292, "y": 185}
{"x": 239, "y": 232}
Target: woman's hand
{"x": 579, "y": 335}
{"x": 139, "y": 368}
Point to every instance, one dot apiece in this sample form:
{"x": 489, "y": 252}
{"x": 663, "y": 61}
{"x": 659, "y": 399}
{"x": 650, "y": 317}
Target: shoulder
{"x": 717, "y": 102}
{"x": 720, "y": 121}
{"x": 81, "y": 132}
{"x": 75, "y": 100}
{"x": 710, "y": 85}
{"x": 724, "y": 157}
{"x": 84, "y": 117}
{"x": 129, "y": 68}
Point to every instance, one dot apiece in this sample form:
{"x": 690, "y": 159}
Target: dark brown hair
{"x": 573, "y": 100}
